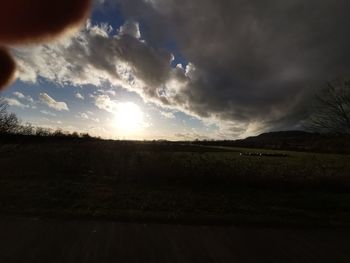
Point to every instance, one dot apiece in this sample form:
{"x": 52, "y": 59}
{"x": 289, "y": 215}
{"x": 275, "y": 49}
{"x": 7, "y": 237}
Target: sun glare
{"x": 128, "y": 118}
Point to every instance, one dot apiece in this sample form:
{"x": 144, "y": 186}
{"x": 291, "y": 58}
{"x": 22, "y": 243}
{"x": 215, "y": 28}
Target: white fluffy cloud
{"x": 79, "y": 96}
{"x": 104, "y": 102}
{"x": 15, "y": 103}
{"x": 84, "y": 116}
{"x": 88, "y": 116}
{"x": 51, "y": 103}
{"x": 21, "y": 96}
{"x": 95, "y": 56}
{"x": 168, "y": 114}
{"x": 20, "y": 100}
{"x": 130, "y": 28}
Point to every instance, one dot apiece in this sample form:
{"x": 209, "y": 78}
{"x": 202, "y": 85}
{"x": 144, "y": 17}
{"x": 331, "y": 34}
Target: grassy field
{"x": 173, "y": 183}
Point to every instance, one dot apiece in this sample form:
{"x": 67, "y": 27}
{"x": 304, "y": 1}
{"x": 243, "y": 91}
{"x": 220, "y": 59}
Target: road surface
{"x": 47, "y": 240}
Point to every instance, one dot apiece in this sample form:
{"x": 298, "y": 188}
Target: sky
{"x": 183, "y": 70}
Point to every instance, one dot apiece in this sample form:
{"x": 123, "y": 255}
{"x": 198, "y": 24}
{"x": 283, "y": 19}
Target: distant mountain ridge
{"x": 293, "y": 140}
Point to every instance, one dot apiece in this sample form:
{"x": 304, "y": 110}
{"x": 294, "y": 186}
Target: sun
{"x": 128, "y": 118}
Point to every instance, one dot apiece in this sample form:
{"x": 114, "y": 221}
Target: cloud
{"x": 48, "y": 113}
{"x": 87, "y": 116}
{"x": 108, "y": 91}
{"x": 95, "y": 56}
{"x": 130, "y": 28}
{"x": 252, "y": 66}
{"x": 84, "y": 116}
{"x": 8, "y": 68}
{"x": 21, "y": 101}
{"x": 51, "y": 103}
{"x": 21, "y": 96}
{"x": 15, "y": 103}
{"x": 254, "y": 61}
{"x": 168, "y": 115}
{"x": 104, "y": 102}
{"x": 79, "y": 96}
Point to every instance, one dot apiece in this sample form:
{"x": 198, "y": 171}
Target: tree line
{"x": 11, "y": 125}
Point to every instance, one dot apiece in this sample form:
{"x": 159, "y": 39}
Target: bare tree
{"x": 3, "y": 107}
{"x": 9, "y": 122}
{"x": 331, "y": 112}
{"x": 26, "y": 129}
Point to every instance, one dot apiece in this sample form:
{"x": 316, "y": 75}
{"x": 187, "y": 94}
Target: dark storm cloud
{"x": 24, "y": 21}
{"x": 255, "y": 60}
{"x": 253, "y": 64}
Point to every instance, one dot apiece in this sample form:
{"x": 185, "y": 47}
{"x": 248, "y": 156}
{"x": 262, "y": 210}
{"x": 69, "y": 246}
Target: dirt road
{"x": 38, "y": 240}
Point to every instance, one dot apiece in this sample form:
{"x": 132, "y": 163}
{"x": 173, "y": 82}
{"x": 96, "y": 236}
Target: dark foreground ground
{"x": 35, "y": 240}
{"x": 173, "y": 183}
{"x": 65, "y": 201}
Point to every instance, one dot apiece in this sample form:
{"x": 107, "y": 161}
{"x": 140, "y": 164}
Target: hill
{"x": 292, "y": 140}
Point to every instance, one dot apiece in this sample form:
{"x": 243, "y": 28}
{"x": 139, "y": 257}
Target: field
{"x": 173, "y": 183}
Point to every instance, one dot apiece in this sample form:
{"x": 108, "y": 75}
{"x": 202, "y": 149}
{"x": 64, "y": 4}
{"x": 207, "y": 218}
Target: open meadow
{"x": 173, "y": 183}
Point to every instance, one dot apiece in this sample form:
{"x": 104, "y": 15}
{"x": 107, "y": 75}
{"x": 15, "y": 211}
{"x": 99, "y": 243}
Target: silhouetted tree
{"x": 27, "y": 129}
{"x": 43, "y": 132}
{"x": 59, "y": 133}
{"x": 9, "y": 122}
{"x": 331, "y": 112}
{"x": 85, "y": 135}
{"x": 75, "y": 135}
